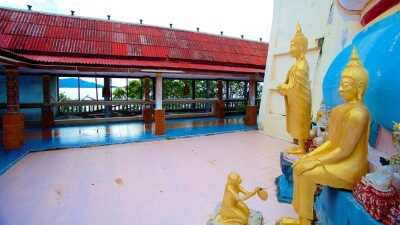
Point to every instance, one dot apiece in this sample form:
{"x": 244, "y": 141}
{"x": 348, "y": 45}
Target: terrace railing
{"x": 97, "y": 108}
{"x": 134, "y": 107}
{"x": 188, "y": 105}
{"x": 235, "y": 105}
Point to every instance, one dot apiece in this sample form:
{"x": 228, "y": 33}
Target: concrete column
{"x": 147, "y": 108}
{"x": 219, "y": 105}
{"x": 47, "y": 112}
{"x": 107, "y": 96}
{"x": 159, "y": 91}
{"x": 251, "y": 109}
{"x": 13, "y": 119}
{"x": 159, "y": 112}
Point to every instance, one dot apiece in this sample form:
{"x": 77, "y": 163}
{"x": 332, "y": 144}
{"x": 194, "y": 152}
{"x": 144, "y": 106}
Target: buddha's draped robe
{"x": 298, "y": 101}
{"x": 342, "y": 159}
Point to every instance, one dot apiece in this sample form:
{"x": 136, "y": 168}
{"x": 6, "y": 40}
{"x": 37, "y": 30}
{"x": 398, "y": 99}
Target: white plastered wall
{"x": 320, "y": 20}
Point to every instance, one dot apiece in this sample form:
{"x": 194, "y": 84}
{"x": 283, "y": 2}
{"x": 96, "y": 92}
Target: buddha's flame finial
{"x": 354, "y": 59}
{"x": 299, "y": 32}
{"x": 298, "y": 28}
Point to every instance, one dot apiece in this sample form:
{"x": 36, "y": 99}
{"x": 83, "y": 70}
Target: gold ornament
{"x": 233, "y": 209}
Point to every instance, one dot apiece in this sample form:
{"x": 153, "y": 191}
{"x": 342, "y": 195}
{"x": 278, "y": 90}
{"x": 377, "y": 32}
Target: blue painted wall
{"x": 30, "y": 91}
{"x": 379, "y": 49}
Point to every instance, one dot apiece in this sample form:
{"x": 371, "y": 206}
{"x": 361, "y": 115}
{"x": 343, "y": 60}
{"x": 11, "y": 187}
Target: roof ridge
{"x": 129, "y": 23}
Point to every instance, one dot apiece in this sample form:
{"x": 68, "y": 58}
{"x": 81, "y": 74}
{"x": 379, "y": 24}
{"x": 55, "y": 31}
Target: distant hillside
{"x": 73, "y": 83}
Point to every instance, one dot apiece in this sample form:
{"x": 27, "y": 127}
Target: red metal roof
{"x": 68, "y": 39}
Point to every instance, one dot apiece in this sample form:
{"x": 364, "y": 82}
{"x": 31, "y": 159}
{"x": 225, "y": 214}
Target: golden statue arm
{"x": 248, "y": 194}
{"x": 322, "y": 148}
{"x": 282, "y": 88}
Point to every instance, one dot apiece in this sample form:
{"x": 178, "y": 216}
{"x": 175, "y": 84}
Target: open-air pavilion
{"x": 39, "y": 51}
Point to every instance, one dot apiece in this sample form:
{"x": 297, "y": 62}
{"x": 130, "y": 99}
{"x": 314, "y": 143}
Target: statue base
{"x": 255, "y": 218}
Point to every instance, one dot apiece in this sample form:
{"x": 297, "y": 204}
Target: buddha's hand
{"x": 282, "y": 89}
{"x": 305, "y": 165}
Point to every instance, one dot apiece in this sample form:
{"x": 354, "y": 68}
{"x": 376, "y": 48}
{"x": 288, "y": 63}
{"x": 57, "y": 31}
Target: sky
{"x": 252, "y": 18}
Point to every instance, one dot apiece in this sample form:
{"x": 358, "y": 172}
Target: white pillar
{"x": 159, "y": 84}
{"x": 252, "y": 92}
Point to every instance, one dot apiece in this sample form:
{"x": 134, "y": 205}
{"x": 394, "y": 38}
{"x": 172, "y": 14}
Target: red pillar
{"x": 147, "y": 109}
{"x": 47, "y": 112}
{"x": 13, "y": 120}
{"x": 251, "y": 109}
{"x": 219, "y": 106}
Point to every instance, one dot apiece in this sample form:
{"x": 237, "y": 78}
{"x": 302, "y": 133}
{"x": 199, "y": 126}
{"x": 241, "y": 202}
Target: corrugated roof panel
{"x": 5, "y": 40}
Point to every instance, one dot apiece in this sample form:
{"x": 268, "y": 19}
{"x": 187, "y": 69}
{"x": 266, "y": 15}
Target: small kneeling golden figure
{"x": 233, "y": 209}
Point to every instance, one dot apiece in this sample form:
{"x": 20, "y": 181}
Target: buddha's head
{"x": 299, "y": 43}
{"x": 234, "y": 178}
{"x": 354, "y": 80}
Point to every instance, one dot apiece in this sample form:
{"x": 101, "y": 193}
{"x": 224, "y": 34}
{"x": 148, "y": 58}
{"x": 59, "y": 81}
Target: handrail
{"x": 135, "y": 106}
{"x": 102, "y": 102}
{"x": 197, "y": 100}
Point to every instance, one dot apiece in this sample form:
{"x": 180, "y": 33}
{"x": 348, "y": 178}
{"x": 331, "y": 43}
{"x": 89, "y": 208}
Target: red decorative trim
{"x": 377, "y": 10}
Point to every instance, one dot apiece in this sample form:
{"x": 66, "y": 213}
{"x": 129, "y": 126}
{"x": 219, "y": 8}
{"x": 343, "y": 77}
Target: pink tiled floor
{"x": 174, "y": 182}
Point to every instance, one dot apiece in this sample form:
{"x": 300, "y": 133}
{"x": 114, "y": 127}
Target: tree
{"x": 236, "y": 89}
{"x": 119, "y": 93}
{"x": 259, "y": 89}
{"x": 134, "y": 91}
{"x": 62, "y": 97}
{"x": 174, "y": 89}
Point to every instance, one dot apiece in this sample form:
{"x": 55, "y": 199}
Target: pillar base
{"x": 47, "y": 118}
{"x": 147, "y": 114}
{"x": 13, "y": 130}
{"x": 219, "y": 109}
{"x": 251, "y": 115}
{"x": 159, "y": 119}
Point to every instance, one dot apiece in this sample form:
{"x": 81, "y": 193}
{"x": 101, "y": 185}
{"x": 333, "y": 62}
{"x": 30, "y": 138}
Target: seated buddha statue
{"x": 297, "y": 93}
{"x": 233, "y": 209}
{"x": 341, "y": 161}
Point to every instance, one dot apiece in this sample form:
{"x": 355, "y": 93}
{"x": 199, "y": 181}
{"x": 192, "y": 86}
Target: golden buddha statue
{"x": 296, "y": 91}
{"x": 233, "y": 209}
{"x": 341, "y": 160}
